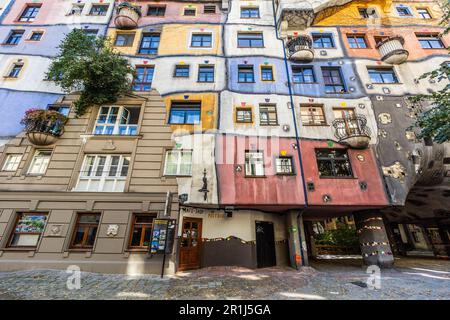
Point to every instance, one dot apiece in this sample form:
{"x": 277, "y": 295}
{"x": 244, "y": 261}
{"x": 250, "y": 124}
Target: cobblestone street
{"x": 410, "y": 279}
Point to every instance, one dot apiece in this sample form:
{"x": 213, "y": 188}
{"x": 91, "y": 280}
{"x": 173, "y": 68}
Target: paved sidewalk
{"x": 410, "y": 279}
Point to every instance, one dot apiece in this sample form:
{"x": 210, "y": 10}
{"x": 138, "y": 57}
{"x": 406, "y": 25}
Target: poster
{"x": 163, "y": 235}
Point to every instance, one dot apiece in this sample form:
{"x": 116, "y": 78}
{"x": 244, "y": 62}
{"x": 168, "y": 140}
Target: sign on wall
{"x": 163, "y": 236}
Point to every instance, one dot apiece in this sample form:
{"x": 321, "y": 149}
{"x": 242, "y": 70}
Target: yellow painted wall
{"x": 175, "y": 40}
{"x": 348, "y": 14}
{"x": 208, "y": 110}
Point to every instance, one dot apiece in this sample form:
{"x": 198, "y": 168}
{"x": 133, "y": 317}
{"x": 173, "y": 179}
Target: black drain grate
{"x": 359, "y": 284}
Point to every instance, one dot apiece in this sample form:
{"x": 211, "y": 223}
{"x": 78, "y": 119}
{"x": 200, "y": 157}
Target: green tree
{"x": 89, "y": 65}
{"x": 434, "y": 122}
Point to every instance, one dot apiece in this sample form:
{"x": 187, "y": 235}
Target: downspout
{"x": 297, "y": 137}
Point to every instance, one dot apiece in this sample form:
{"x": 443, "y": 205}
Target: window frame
{"x": 7, "y": 162}
{"x": 159, "y": 7}
{"x": 332, "y": 161}
{"x": 379, "y": 71}
{"x": 208, "y": 7}
{"x": 142, "y": 85}
{"x": 269, "y": 122}
{"x": 87, "y": 225}
{"x": 323, "y": 119}
{"x": 421, "y": 14}
{"x": 144, "y": 226}
{"x": 430, "y": 37}
{"x": 356, "y": 36}
{"x": 15, "y": 35}
{"x": 13, "y": 231}
{"x": 277, "y": 165}
{"x": 182, "y": 66}
{"x": 33, "y": 160}
{"x": 244, "y": 8}
{"x": 150, "y": 41}
{"x": 295, "y": 70}
{"x": 130, "y": 128}
{"x": 333, "y": 84}
{"x": 322, "y": 36}
{"x": 246, "y": 77}
{"x": 409, "y": 12}
{"x": 255, "y": 175}
{"x": 41, "y": 33}
{"x": 244, "y": 119}
{"x": 189, "y": 9}
{"x": 209, "y": 67}
{"x": 179, "y": 163}
{"x": 202, "y": 41}
{"x": 99, "y": 5}
{"x": 30, "y": 18}
{"x": 106, "y": 168}
{"x": 191, "y": 106}
{"x": 244, "y": 36}
{"x": 126, "y": 44}
{"x": 264, "y": 68}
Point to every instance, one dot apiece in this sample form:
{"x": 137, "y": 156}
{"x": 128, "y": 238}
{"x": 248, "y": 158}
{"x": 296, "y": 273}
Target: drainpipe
{"x": 297, "y": 137}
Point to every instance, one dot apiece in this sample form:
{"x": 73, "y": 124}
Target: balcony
{"x": 392, "y": 51}
{"x": 300, "y": 48}
{"x": 43, "y": 127}
{"x": 352, "y": 131}
{"x": 127, "y": 16}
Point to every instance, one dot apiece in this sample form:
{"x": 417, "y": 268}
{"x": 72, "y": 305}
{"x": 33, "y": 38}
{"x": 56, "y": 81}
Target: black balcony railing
{"x": 351, "y": 126}
{"x": 43, "y": 127}
{"x": 52, "y": 127}
{"x": 299, "y": 43}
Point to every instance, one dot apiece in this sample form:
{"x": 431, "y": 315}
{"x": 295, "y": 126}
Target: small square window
{"x": 283, "y": 165}
{"x": 404, "y": 11}
{"x": 268, "y": 115}
{"x": 190, "y": 12}
{"x": 209, "y": 9}
{"x": 244, "y": 115}
{"x": 15, "y": 70}
{"x": 40, "y": 162}
{"x": 323, "y": 41}
{"x": 178, "y": 163}
{"x": 14, "y": 37}
{"x": 124, "y": 39}
{"x": 12, "y": 162}
{"x": 99, "y": 10}
{"x": 201, "y": 40}
{"x": 205, "y": 74}
{"x": 156, "y": 11}
{"x": 254, "y": 164}
{"x": 424, "y": 13}
{"x": 356, "y": 41}
{"x": 267, "y": 73}
{"x": 36, "y": 35}
{"x": 85, "y": 231}
{"x": 27, "y": 230}
{"x": 181, "y": 71}
{"x": 249, "y": 12}
{"x": 245, "y": 74}
{"x": 303, "y": 74}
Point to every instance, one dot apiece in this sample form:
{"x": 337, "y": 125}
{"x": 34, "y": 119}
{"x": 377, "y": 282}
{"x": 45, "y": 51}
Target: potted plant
{"x": 128, "y": 15}
{"x": 43, "y": 126}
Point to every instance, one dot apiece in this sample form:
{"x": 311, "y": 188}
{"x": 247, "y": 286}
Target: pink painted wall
{"x": 344, "y": 191}
{"x": 174, "y": 13}
{"x": 236, "y": 189}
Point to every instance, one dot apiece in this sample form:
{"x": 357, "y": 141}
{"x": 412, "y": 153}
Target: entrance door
{"x": 190, "y": 244}
{"x": 265, "y": 244}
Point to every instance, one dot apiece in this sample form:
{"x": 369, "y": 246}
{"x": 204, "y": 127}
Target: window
{"x": 266, "y": 73}
{"x": 205, "y": 74}
{"x": 245, "y": 73}
{"x": 181, "y": 71}
{"x": 312, "y": 115}
{"x": 30, "y": 13}
{"x": 149, "y": 43}
{"x": 333, "y": 163}
{"x": 303, "y": 74}
{"x": 178, "y": 163}
{"x": 143, "y": 80}
{"x": 117, "y": 120}
{"x": 244, "y": 115}
{"x": 156, "y": 11}
{"x": 189, "y": 12}
{"x": 250, "y": 40}
{"x": 344, "y": 113}
{"x": 36, "y": 35}
{"x": 15, "y": 70}
{"x": 323, "y": 41}
{"x": 268, "y": 115}
{"x": 124, "y": 39}
{"x": 333, "y": 80}
{"x": 103, "y": 173}
{"x": 63, "y": 109}
{"x": 14, "y": 37}
{"x": 201, "y": 40}
{"x": 141, "y": 231}
{"x": 85, "y": 230}
{"x": 403, "y": 11}
{"x": 382, "y": 75}
{"x": 254, "y": 164}
{"x": 430, "y": 41}
{"x": 90, "y": 32}
{"x": 76, "y": 9}
{"x": 28, "y": 230}
{"x": 98, "y": 10}
{"x": 185, "y": 113}
{"x": 283, "y": 165}
{"x": 424, "y": 13}
{"x": 363, "y": 13}
{"x": 209, "y": 9}
{"x": 356, "y": 41}
{"x": 12, "y": 162}
{"x": 249, "y": 12}
{"x": 39, "y": 163}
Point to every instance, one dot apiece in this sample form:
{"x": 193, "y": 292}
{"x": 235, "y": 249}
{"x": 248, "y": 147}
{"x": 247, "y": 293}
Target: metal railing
{"x": 52, "y": 127}
{"x": 302, "y": 42}
{"x": 351, "y": 126}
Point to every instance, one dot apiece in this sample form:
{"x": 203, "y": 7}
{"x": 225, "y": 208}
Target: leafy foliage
{"x": 89, "y": 65}
{"x": 434, "y": 122}
{"x": 342, "y": 236}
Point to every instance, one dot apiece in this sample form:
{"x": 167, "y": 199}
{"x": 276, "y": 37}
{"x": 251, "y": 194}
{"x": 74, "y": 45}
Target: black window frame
{"x": 92, "y": 12}
{"x": 242, "y": 70}
{"x": 333, "y": 84}
{"x": 332, "y": 160}
{"x": 433, "y": 37}
{"x": 209, "y": 9}
{"x": 268, "y": 106}
{"x": 186, "y": 107}
{"x": 160, "y": 10}
{"x": 14, "y": 37}
{"x": 194, "y": 10}
{"x": 298, "y": 72}
{"x": 291, "y": 166}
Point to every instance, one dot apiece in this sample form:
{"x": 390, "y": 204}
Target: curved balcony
{"x": 392, "y": 51}
{"x": 300, "y": 48}
{"x": 127, "y": 16}
{"x": 43, "y": 127}
{"x": 352, "y": 131}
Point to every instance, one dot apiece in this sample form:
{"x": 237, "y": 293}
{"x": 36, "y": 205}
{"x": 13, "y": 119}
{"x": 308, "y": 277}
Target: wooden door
{"x": 190, "y": 244}
{"x": 265, "y": 244}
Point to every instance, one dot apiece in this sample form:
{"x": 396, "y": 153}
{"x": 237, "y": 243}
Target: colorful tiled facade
{"x": 255, "y": 118}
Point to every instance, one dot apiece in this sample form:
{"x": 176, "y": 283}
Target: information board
{"x": 163, "y": 236}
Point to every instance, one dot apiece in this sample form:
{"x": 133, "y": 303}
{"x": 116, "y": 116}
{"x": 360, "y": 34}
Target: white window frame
{"x": 12, "y": 162}
{"x": 178, "y": 173}
{"x": 116, "y": 125}
{"x": 256, "y": 162}
{"x": 42, "y": 168}
{"x": 104, "y": 177}
{"x": 74, "y": 12}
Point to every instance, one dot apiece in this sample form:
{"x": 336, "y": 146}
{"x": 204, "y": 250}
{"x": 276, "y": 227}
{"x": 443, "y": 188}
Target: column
{"x": 294, "y": 225}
